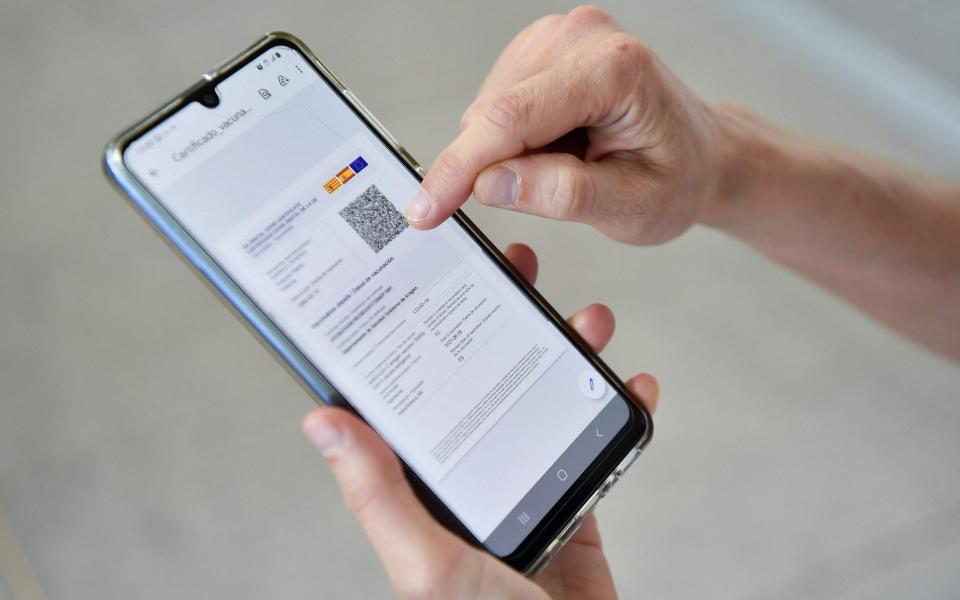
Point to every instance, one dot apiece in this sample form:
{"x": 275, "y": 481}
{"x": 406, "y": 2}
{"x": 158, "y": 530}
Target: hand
{"x": 424, "y": 560}
{"x": 579, "y": 121}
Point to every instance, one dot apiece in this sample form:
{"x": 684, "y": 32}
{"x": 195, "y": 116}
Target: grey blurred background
{"x": 149, "y": 448}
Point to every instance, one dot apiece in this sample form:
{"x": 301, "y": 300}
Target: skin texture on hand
{"x": 579, "y": 121}
{"x": 424, "y": 560}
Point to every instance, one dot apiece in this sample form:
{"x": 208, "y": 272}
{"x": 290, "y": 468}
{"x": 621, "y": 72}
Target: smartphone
{"x": 282, "y": 191}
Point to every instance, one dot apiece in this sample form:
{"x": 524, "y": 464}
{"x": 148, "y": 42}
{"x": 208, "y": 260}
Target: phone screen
{"x": 430, "y": 340}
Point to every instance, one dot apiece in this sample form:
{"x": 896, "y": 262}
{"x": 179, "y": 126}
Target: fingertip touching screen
{"x": 301, "y": 203}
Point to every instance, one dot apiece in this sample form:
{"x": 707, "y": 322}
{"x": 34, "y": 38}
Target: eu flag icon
{"x": 358, "y": 164}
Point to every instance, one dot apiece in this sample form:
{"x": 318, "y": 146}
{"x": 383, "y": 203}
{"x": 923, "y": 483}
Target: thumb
{"x": 409, "y": 542}
{"x": 553, "y": 185}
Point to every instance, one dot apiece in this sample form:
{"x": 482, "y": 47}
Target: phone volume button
{"x": 629, "y": 462}
{"x": 545, "y": 558}
{"x": 609, "y": 483}
{"x": 571, "y": 530}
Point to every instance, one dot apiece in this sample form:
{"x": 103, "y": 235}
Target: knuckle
{"x": 361, "y": 500}
{"x": 465, "y": 120}
{"x": 624, "y": 51}
{"x": 618, "y": 60}
{"x": 508, "y": 110}
{"x": 590, "y": 15}
{"x": 365, "y": 498}
{"x": 476, "y": 107}
{"x": 418, "y": 586}
{"x": 545, "y": 22}
{"x": 571, "y": 193}
{"x": 415, "y": 587}
{"x": 448, "y": 166}
{"x": 441, "y": 577}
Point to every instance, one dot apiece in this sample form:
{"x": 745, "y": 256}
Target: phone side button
{"x": 585, "y": 510}
{"x": 608, "y": 484}
{"x": 629, "y": 462}
{"x": 544, "y": 559}
{"x": 570, "y": 530}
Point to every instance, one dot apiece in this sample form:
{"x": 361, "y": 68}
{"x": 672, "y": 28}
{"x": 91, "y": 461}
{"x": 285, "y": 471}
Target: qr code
{"x": 374, "y": 218}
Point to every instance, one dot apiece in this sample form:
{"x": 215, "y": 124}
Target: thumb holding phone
{"x": 422, "y": 558}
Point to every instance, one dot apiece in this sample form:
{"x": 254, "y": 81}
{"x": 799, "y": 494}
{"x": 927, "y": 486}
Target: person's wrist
{"x": 742, "y": 152}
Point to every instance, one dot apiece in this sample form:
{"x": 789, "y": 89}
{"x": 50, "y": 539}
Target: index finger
{"x": 529, "y": 114}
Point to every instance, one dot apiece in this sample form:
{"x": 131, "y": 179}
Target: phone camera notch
{"x": 209, "y": 98}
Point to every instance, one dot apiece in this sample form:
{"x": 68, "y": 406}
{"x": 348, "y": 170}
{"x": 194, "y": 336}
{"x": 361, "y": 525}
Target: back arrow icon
{"x": 600, "y": 434}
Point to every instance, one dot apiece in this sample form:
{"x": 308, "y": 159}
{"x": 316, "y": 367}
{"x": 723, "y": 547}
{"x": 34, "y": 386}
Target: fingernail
{"x": 325, "y": 436}
{"x": 498, "y": 187}
{"x": 419, "y": 208}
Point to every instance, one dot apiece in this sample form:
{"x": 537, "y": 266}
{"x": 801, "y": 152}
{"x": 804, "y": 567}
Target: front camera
{"x": 210, "y": 99}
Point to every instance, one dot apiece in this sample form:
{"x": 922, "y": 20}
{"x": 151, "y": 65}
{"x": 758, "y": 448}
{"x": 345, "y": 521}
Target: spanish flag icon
{"x": 345, "y": 175}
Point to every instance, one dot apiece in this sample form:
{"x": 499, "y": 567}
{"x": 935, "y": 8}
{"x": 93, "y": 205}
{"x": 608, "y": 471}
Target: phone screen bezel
{"x": 635, "y": 434}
